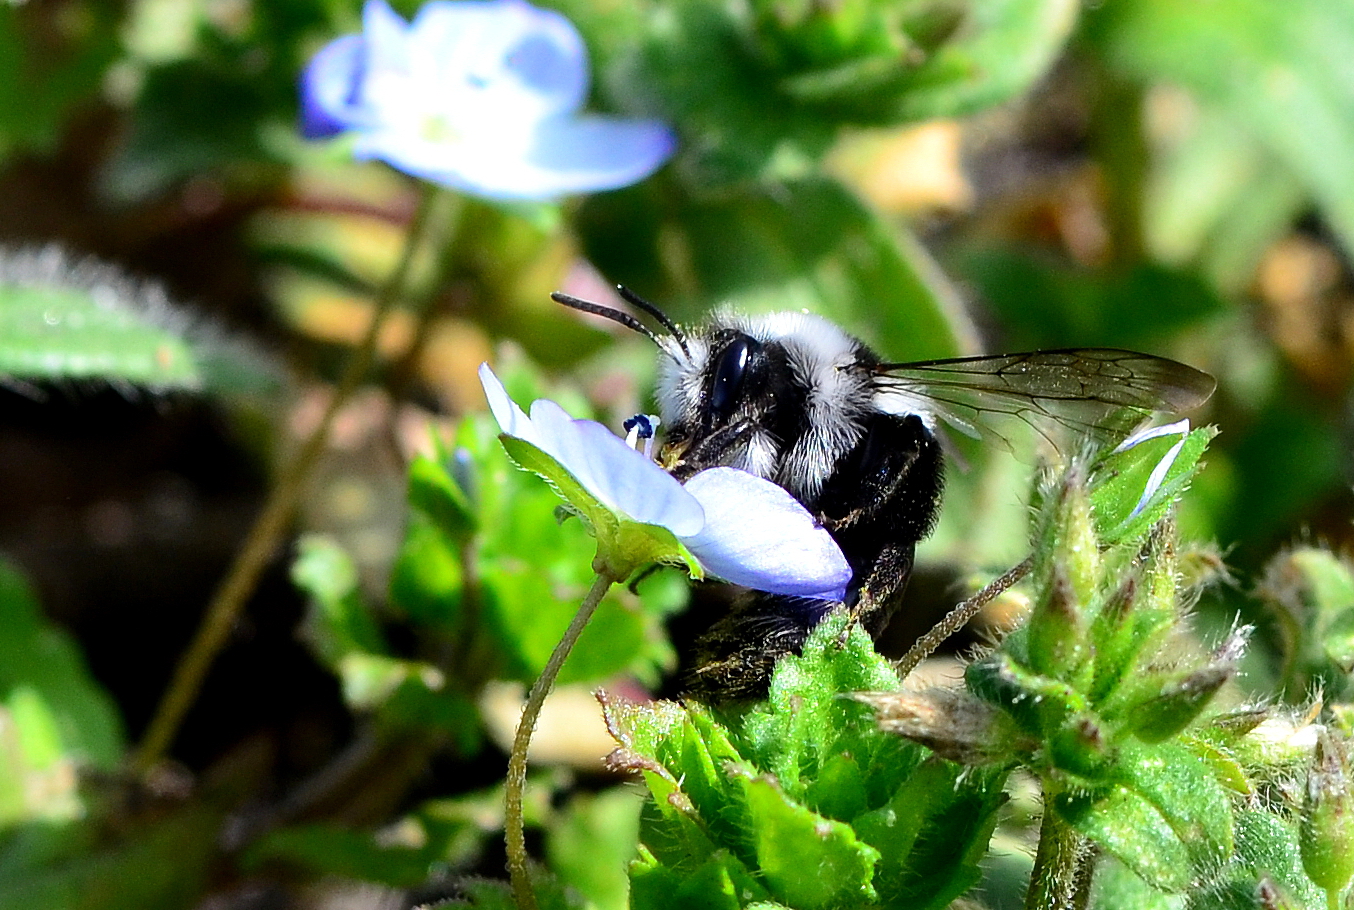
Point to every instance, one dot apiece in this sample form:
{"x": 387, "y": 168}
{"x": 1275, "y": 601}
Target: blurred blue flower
{"x": 478, "y": 95}
{"x": 739, "y": 527}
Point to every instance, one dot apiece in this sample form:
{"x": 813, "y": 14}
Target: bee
{"x": 792, "y": 398}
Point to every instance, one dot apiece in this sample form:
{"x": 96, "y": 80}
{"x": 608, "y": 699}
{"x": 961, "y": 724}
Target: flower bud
{"x": 1067, "y": 538}
{"x": 1182, "y": 701}
{"x": 1057, "y": 629}
{"x": 1080, "y": 747}
{"x": 949, "y": 722}
{"x": 1269, "y": 896}
{"x": 1326, "y": 835}
{"x": 1038, "y": 704}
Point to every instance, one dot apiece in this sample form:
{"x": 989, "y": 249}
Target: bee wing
{"x": 1096, "y": 392}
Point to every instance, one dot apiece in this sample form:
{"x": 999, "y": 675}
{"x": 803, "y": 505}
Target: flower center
{"x": 641, "y": 426}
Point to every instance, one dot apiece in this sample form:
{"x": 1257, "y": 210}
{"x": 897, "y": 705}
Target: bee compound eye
{"x": 730, "y": 374}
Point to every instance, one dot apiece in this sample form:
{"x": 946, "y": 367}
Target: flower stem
{"x": 517, "y": 761}
{"x": 272, "y": 521}
{"x": 1057, "y": 882}
{"x": 957, "y": 618}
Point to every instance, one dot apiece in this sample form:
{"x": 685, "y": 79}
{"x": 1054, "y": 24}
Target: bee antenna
{"x": 606, "y": 312}
{"x": 632, "y": 298}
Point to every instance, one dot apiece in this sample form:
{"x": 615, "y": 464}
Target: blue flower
{"x": 478, "y": 95}
{"x": 738, "y": 527}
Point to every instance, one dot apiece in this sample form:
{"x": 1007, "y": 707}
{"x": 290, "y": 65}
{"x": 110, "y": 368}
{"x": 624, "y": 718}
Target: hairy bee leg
{"x": 874, "y": 602}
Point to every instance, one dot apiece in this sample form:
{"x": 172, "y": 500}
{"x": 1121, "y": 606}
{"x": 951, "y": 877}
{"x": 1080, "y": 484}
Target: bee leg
{"x": 875, "y": 601}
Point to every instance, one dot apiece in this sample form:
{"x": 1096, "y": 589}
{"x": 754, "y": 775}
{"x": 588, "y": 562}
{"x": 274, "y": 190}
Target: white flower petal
{"x": 513, "y": 55}
{"x": 1157, "y": 478}
{"x": 511, "y": 419}
{"x": 620, "y": 478}
{"x": 1180, "y": 426}
{"x": 637, "y": 486}
{"x": 758, "y": 535}
{"x": 562, "y": 441}
{"x": 385, "y": 34}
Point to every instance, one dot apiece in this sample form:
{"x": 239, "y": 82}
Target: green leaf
{"x": 43, "y": 675}
{"x": 1267, "y": 847}
{"x": 590, "y": 846}
{"x": 193, "y": 116}
{"x": 433, "y": 491}
{"x": 720, "y": 883}
{"x": 1127, "y": 826}
{"x": 426, "y": 580}
{"x": 692, "y": 67}
{"x": 339, "y": 622}
{"x": 1121, "y": 478}
{"x": 343, "y": 853}
{"x": 1046, "y": 302}
{"x": 1218, "y": 200}
{"x": 804, "y": 723}
{"x": 805, "y": 859}
{"x": 999, "y": 50}
{"x": 160, "y": 865}
{"x": 806, "y": 244}
{"x": 48, "y": 68}
{"x": 63, "y": 320}
{"x": 551, "y": 893}
{"x": 1185, "y": 792}
{"x": 1278, "y": 71}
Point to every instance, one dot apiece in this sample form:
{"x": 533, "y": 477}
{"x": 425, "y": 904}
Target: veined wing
{"x": 1095, "y": 392}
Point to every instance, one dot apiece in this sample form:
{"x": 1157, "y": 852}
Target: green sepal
{"x": 1120, "y": 478}
{"x": 1181, "y": 701}
{"x": 1039, "y": 705}
{"x": 1326, "y": 832}
{"x": 1080, "y": 747}
{"x": 1056, "y": 630}
{"x": 1128, "y": 827}
{"x": 623, "y": 546}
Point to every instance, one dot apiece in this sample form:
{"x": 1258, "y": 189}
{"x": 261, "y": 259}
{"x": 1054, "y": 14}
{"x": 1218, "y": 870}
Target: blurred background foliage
{"x": 942, "y": 177}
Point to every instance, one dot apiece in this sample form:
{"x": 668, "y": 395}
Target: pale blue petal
{"x": 577, "y": 156}
{"x": 589, "y": 153}
{"x": 1170, "y": 429}
{"x": 618, "y": 476}
{"x": 331, "y": 89}
{"x": 387, "y": 37}
{"x": 1157, "y": 477}
{"x": 511, "y": 419}
{"x": 637, "y": 486}
{"x": 532, "y": 62}
{"x": 759, "y": 536}
{"x": 561, "y": 440}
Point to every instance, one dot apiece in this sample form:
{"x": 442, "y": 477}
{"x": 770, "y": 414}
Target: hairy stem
{"x": 517, "y": 760}
{"x": 272, "y": 522}
{"x": 1057, "y": 881}
{"x": 957, "y": 618}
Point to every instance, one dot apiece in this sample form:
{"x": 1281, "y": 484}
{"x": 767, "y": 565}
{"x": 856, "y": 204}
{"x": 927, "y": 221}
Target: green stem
{"x": 517, "y": 761}
{"x": 272, "y": 521}
{"x": 1056, "y": 879}
{"x": 957, "y": 618}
